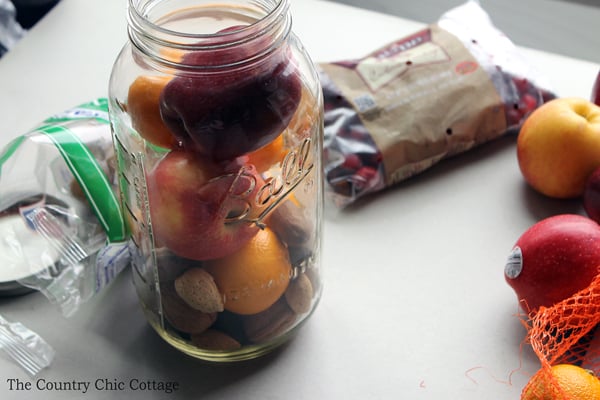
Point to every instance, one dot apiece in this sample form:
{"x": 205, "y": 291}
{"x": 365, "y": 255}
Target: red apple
{"x": 591, "y": 196}
{"x": 554, "y": 259}
{"x": 199, "y": 209}
{"x": 596, "y": 90}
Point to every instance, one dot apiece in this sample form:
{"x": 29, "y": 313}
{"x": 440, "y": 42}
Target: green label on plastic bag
{"x": 82, "y": 163}
{"x": 10, "y": 149}
{"x": 92, "y": 179}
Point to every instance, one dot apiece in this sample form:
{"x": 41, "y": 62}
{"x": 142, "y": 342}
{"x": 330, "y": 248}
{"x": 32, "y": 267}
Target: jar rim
{"x": 265, "y": 25}
{"x": 138, "y": 21}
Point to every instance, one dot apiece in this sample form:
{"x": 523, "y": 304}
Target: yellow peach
{"x": 559, "y": 146}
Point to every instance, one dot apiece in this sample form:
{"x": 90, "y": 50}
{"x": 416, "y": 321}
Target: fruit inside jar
{"x": 228, "y": 219}
{"x": 266, "y": 273}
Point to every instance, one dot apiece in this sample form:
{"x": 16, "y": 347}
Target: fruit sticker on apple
{"x": 554, "y": 259}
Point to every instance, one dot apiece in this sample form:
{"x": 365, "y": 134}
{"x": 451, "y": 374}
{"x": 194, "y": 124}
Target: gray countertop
{"x": 566, "y": 27}
{"x": 415, "y": 305}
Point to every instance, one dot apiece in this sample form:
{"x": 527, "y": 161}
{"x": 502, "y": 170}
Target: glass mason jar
{"x": 217, "y": 119}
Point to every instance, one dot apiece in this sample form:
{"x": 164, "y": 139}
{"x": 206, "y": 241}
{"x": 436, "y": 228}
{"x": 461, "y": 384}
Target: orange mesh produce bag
{"x": 565, "y": 333}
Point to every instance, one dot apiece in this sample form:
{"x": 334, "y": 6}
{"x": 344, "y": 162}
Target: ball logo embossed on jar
{"x": 294, "y": 169}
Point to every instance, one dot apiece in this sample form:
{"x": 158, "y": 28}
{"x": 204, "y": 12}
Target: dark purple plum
{"x": 224, "y": 113}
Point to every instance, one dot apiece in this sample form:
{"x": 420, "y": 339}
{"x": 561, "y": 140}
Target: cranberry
{"x": 522, "y": 84}
{"x": 339, "y": 182}
{"x": 352, "y": 161}
{"x": 373, "y": 159}
{"x": 529, "y": 102}
{"x": 365, "y": 177}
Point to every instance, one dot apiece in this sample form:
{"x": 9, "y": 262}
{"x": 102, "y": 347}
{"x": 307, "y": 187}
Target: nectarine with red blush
{"x": 199, "y": 209}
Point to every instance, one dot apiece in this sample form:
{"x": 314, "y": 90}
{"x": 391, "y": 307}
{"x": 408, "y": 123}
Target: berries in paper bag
{"x": 436, "y": 93}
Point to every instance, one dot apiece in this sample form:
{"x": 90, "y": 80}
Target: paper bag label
{"x": 421, "y": 99}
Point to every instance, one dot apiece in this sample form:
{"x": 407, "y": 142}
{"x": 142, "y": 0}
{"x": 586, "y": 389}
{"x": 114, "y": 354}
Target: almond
{"x": 183, "y": 317}
{"x": 198, "y": 289}
{"x": 213, "y": 339}
{"x": 299, "y": 294}
{"x": 291, "y": 225}
{"x": 272, "y": 322}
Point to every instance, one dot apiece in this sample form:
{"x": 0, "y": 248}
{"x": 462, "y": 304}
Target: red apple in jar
{"x": 200, "y": 210}
{"x": 553, "y": 259}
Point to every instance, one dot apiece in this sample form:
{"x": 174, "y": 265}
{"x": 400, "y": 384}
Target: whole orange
{"x": 143, "y": 108}
{"x": 255, "y": 277}
{"x": 562, "y": 381}
{"x": 266, "y": 156}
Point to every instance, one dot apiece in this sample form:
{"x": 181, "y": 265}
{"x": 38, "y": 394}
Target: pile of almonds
{"x": 194, "y": 305}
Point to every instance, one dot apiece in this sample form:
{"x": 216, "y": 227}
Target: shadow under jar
{"x": 217, "y": 119}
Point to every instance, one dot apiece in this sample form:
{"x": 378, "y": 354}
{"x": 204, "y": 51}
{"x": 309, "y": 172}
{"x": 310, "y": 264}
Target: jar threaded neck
{"x": 155, "y": 30}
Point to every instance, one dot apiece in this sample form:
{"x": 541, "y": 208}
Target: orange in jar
{"x": 299, "y": 127}
{"x": 172, "y": 55}
{"x": 144, "y": 110}
{"x": 255, "y": 277}
{"x": 268, "y": 155}
{"x": 306, "y": 114}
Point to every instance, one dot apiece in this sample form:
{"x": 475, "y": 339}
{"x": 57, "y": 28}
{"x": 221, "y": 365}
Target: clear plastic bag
{"x": 411, "y": 103}
{"x": 25, "y": 347}
{"x": 62, "y": 229}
